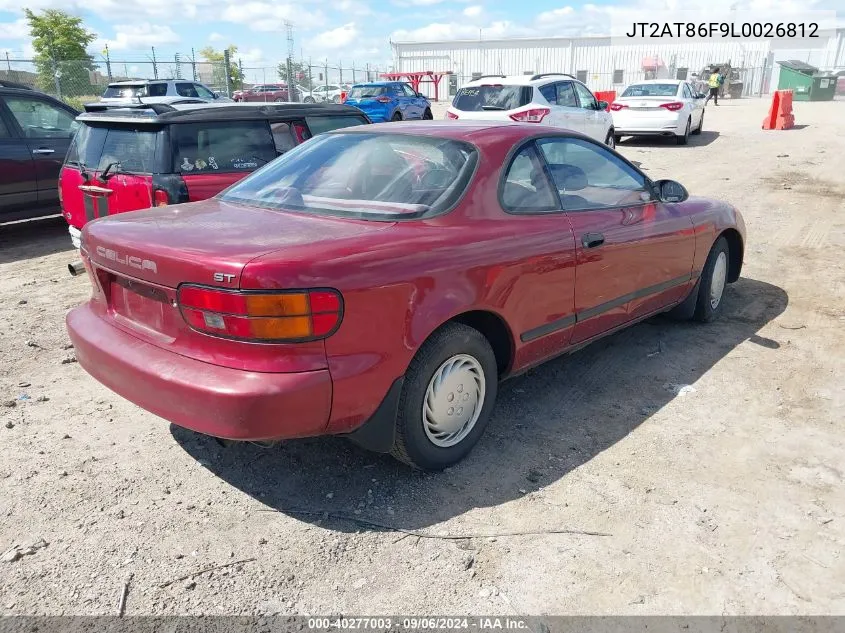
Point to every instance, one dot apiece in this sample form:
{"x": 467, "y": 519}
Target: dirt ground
{"x": 726, "y": 497}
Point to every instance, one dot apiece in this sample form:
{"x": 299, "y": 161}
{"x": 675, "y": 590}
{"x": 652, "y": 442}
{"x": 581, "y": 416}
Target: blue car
{"x": 389, "y": 101}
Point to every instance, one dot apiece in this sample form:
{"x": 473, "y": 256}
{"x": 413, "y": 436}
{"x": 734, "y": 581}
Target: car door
{"x": 414, "y": 109}
{"x": 18, "y": 182}
{"x": 565, "y": 112}
{"x": 47, "y": 128}
{"x": 634, "y": 254}
{"x": 594, "y": 119}
{"x": 542, "y": 304}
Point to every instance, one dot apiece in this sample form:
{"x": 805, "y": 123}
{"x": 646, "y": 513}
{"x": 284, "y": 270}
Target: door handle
{"x": 592, "y": 240}
{"x": 43, "y": 150}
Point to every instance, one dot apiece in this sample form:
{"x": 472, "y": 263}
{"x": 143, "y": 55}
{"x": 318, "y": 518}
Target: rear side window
{"x": 365, "y": 92}
{"x": 476, "y": 98}
{"x": 186, "y": 90}
{"x": 224, "y": 147}
{"x": 95, "y": 148}
{"x": 320, "y": 124}
{"x": 138, "y": 90}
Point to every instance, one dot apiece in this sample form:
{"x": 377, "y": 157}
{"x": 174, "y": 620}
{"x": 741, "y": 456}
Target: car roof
{"x": 658, "y": 81}
{"x": 200, "y": 112}
{"x": 479, "y": 132}
{"x": 378, "y": 83}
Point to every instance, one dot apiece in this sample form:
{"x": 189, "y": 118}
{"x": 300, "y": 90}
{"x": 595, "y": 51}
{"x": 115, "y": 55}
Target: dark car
{"x": 135, "y": 157}
{"x": 381, "y": 280}
{"x": 264, "y": 93}
{"x": 35, "y": 132}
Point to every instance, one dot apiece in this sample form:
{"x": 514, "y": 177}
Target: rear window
{"x": 137, "y": 90}
{"x": 362, "y": 175}
{"x": 651, "y": 90}
{"x": 223, "y": 147}
{"x": 477, "y": 98}
{"x": 96, "y": 147}
{"x": 320, "y": 124}
{"x": 366, "y": 92}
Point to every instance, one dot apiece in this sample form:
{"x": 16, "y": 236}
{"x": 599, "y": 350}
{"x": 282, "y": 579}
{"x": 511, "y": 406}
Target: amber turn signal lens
{"x": 277, "y": 305}
{"x": 284, "y": 328}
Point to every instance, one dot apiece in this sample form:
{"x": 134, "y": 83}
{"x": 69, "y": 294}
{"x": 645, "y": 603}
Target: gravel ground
{"x": 725, "y": 497}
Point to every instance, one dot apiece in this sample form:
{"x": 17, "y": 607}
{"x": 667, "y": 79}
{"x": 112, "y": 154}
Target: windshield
{"x": 651, "y": 90}
{"x": 492, "y": 97}
{"x": 371, "y": 176}
{"x": 129, "y": 91}
{"x": 366, "y": 92}
{"x": 96, "y": 147}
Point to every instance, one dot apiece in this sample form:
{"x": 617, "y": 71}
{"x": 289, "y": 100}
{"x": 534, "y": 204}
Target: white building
{"x": 603, "y": 65}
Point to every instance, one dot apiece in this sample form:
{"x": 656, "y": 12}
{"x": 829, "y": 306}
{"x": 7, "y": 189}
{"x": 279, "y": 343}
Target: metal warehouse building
{"x": 604, "y": 65}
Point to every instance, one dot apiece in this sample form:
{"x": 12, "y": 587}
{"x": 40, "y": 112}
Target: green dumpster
{"x": 805, "y": 82}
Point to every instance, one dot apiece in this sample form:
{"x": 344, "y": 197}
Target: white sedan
{"x": 659, "y": 107}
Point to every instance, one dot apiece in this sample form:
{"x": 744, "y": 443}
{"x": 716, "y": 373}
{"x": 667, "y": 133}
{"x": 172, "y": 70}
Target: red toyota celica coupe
{"x": 379, "y": 282}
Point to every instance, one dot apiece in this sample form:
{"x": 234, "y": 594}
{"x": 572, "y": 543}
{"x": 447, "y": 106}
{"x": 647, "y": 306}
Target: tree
{"x": 300, "y": 72}
{"x": 61, "y": 59}
{"x": 218, "y": 59}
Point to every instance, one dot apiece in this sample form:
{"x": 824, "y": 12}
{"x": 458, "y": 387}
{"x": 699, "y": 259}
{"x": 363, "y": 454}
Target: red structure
{"x": 417, "y": 78}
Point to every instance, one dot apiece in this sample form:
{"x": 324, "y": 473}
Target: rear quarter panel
{"x": 710, "y": 218}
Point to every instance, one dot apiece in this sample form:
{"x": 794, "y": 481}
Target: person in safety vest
{"x": 714, "y": 83}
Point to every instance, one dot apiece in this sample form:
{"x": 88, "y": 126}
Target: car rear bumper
{"x": 218, "y": 401}
{"x": 646, "y": 125}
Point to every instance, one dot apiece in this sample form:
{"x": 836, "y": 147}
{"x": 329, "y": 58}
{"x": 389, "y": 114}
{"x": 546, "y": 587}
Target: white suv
{"x": 553, "y": 99}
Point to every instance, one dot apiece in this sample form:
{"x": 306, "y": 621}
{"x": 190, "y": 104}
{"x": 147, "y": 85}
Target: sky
{"x": 347, "y": 30}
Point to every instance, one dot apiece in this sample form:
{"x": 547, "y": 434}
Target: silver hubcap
{"x": 453, "y": 400}
{"x": 717, "y": 285}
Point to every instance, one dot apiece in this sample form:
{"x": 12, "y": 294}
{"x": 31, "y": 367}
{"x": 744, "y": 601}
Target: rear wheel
{"x": 700, "y": 125}
{"x": 308, "y": 100}
{"x": 427, "y": 115}
{"x": 336, "y": 99}
{"x": 684, "y": 138}
{"x": 279, "y": 100}
{"x": 714, "y": 278}
{"x": 447, "y": 398}
{"x": 397, "y": 116}
{"x": 610, "y": 141}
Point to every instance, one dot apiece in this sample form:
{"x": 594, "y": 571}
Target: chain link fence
{"x": 83, "y": 81}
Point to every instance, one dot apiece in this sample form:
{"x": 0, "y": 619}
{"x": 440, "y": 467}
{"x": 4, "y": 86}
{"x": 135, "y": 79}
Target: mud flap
{"x": 378, "y": 434}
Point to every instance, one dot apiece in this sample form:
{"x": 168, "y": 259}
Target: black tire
{"x": 610, "y": 141}
{"x": 412, "y": 445}
{"x": 308, "y": 100}
{"x": 427, "y": 115}
{"x": 700, "y": 125}
{"x": 617, "y": 139}
{"x": 684, "y": 139}
{"x": 336, "y": 99}
{"x": 705, "y": 311}
{"x": 397, "y": 116}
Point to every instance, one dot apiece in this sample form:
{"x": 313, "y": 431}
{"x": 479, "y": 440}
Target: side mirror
{"x": 420, "y": 95}
{"x": 701, "y": 95}
{"x": 602, "y": 105}
{"x": 671, "y": 191}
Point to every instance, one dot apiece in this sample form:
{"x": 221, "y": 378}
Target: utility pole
{"x": 8, "y": 63}
{"x": 292, "y": 92}
{"x": 194, "y": 63}
{"x": 228, "y": 70}
{"x": 108, "y": 61}
{"x": 155, "y": 65}
{"x": 178, "y": 67}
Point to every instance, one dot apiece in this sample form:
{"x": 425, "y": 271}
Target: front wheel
{"x": 447, "y": 398}
{"x": 610, "y": 141}
{"x": 336, "y": 99}
{"x": 427, "y": 115}
{"x": 714, "y": 278}
{"x": 308, "y": 100}
{"x": 397, "y": 116}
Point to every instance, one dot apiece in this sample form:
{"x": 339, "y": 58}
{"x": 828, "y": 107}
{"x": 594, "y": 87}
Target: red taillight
{"x": 279, "y": 317}
{"x": 301, "y": 132}
{"x": 534, "y": 115}
{"x": 616, "y": 107}
{"x": 383, "y": 99}
{"x": 451, "y": 115}
{"x": 160, "y": 198}
{"x": 674, "y": 106}
{"x": 343, "y": 97}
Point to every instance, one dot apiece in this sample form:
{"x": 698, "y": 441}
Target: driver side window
{"x": 588, "y": 101}
{"x": 526, "y": 188}
{"x": 589, "y": 176}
